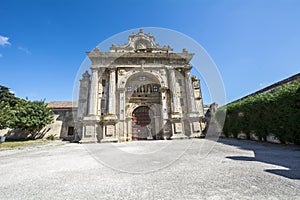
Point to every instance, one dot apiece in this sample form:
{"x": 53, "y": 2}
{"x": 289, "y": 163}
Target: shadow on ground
{"x": 275, "y": 154}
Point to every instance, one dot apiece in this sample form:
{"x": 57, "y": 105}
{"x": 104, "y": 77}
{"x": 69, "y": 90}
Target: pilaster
{"x": 176, "y": 101}
{"x": 112, "y": 92}
{"x": 93, "y": 93}
{"x": 110, "y": 131}
{"x": 190, "y": 94}
{"x": 91, "y": 122}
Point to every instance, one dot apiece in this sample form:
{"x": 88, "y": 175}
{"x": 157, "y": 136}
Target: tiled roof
{"x": 62, "y": 104}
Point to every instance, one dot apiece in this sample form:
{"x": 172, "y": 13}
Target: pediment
{"x": 140, "y": 42}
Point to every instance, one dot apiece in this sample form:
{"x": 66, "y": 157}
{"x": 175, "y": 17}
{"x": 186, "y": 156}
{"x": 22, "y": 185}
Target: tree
{"x": 6, "y": 115}
{"x": 31, "y": 117}
{"x": 17, "y": 113}
{"x": 7, "y": 103}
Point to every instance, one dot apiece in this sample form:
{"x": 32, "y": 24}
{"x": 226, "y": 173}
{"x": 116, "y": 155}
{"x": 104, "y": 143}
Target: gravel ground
{"x": 181, "y": 169}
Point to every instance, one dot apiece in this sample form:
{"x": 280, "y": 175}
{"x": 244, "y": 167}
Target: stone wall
{"x": 63, "y": 126}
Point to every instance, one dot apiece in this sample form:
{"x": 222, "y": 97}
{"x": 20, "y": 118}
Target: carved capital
{"x": 188, "y": 72}
{"x": 163, "y": 89}
{"x": 112, "y": 69}
{"x": 94, "y": 70}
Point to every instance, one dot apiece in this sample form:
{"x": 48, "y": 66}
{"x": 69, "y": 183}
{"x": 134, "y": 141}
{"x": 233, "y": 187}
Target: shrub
{"x": 276, "y": 112}
{"x": 51, "y": 137}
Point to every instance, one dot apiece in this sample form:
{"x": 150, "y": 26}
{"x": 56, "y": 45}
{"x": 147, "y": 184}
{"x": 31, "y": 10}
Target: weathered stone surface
{"x": 140, "y": 74}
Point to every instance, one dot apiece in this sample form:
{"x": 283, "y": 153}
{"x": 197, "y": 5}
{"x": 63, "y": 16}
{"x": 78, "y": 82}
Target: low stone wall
{"x": 270, "y": 138}
{"x": 4, "y": 131}
{"x": 54, "y": 128}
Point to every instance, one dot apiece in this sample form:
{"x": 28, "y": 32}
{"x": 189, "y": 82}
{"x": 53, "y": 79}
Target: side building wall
{"x": 62, "y": 127}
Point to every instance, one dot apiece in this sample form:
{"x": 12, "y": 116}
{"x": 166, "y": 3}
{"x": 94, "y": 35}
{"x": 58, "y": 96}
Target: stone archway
{"x": 143, "y": 102}
{"x": 157, "y": 75}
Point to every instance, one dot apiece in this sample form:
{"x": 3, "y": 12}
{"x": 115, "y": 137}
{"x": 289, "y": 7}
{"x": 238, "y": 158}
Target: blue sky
{"x": 254, "y": 43}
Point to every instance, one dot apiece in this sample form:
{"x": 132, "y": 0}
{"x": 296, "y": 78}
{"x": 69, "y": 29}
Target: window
{"x": 70, "y": 131}
{"x": 155, "y": 88}
{"x": 142, "y": 78}
{"x": 129, "y": 89}
{"x": 103, "y": 82}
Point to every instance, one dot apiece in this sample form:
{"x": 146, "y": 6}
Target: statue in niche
{"x": 196, "y": 84}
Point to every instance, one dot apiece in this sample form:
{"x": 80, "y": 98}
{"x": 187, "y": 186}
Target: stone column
{"x": 190, "y": 93}
{"x": 193, "y": 115}
{"x": 172, "y": 82}
{"x": 110, "y": 120}
{"x": 82, "y": 104}
{"x": 164, "y": 109}
{"x": 129, "y": 128}
{"x": 93, "y": 93}
{"x": 157, "y": 124}
{"x": 83, "y": 95}
{"x": 164, "y": 104}
{"x": 122, "y": 130}
{"x": 112, "y": 92}
{"x": 91, "y": 125}
{"x": 122, "y": 104}
{"x": 176, "y": 116}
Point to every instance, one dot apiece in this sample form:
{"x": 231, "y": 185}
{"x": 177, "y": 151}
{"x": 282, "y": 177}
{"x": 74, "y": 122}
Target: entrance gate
{"x": 142, "y": 123}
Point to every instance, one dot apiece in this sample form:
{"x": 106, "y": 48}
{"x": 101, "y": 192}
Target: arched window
{"x": 155, "y": 88}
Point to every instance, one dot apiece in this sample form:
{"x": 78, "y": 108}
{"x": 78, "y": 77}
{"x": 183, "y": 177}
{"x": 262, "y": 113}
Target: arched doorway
{"x": 143, "y": 106}
{"x": 142, "y": 123}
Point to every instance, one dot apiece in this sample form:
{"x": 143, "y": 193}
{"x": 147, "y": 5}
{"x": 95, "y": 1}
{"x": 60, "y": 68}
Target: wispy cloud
{"x": 1, "y": 55}
{"x": 24, "y": 49}
{"x": 4, "y": 41}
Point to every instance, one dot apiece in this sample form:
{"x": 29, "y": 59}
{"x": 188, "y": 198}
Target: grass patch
{"x": 13, "y": 144}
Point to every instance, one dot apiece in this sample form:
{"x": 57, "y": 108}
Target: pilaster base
{"x": 193, "y": 115}
{"x": 90, "y": 129}
{"x": 110, "y": 118}
{"x": 91, "y": 118}
{"x": 88, "y": 140}
{"x": 150, "y": 137}
{"x": 195, "y": 135}
{"x": 109, "y": 140}
{"x": 178, "y": 136}
{"x": 122, "y": 139}
{"x": 167, "y": 136}
{"x": 176, "y": 116}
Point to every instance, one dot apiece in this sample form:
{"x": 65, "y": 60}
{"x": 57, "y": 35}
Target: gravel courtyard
{"x": 181, "y": 169}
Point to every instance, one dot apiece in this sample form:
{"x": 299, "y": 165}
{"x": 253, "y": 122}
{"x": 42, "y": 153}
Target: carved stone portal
{"x": 139, "y": 91}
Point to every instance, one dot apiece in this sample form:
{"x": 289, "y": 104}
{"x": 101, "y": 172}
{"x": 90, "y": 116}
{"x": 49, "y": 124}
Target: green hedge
{"x": 276, "y": 112}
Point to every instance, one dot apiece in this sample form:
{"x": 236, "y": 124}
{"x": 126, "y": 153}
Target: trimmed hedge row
{"x": 276, "y": 112}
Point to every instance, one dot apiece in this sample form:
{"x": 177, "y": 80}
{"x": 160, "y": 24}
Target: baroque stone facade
{"x": 139, "y": 91}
